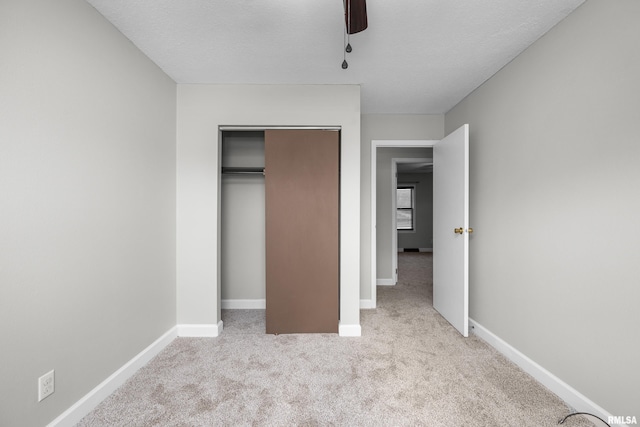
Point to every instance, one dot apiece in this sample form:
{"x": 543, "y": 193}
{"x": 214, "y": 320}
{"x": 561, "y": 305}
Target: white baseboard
{"x": 200, "y": 331}
{"x": 366, "y": 304}
{"x": 564, "y": 391}
{"x": 349, "y": 330}
{"x": 86, "y": 404}
{"x": 385, "y": 282}
{"x": 259, "y": 304}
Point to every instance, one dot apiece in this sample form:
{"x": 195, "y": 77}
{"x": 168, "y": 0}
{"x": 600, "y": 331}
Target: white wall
{"x": 201, "y": 109}
{"x": 422, "y": 236}
{"x": 385, "y": 127}
{"x": 87, "y": 212}
{"x": 555, "y": 196}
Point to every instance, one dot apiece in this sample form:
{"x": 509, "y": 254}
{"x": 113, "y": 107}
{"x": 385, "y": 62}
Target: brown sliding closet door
{"x": 302, "y": 235}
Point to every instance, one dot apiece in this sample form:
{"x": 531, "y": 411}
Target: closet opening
{"x": 279, "y": 230}
{"x": 242, "y": 237}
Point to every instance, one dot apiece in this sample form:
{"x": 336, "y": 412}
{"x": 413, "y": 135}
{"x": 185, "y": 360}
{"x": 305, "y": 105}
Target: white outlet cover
{"x": 46, "y": 385}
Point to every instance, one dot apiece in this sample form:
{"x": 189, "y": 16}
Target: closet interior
{"x": 243, "y": 219}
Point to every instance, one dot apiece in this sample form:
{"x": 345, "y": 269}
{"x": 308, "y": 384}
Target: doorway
{"x": 412, "y": 206}
{"x": 374, "y": 217}
{"x": 450, "y": 222}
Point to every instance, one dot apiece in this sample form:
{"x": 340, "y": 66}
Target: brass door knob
{"x": 458, "y": 230}
{"x": 469, "y": 230}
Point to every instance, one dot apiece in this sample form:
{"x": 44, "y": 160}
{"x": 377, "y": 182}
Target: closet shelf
{"x": 237, "y": 170}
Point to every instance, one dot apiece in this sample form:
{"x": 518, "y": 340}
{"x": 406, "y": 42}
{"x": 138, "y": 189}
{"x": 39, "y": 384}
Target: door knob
{"x": 469, "y": 230}
{"x": 458, "y": 230}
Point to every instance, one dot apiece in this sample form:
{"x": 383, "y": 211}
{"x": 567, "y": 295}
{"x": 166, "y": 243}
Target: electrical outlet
{"x": 46, "y": 385}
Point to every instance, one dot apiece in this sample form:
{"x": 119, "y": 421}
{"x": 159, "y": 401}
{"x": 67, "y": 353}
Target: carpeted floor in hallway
{"x": 409, "y": 368}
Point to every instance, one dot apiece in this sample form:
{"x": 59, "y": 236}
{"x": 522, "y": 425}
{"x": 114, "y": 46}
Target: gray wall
{"x": 555, "y": 196}
{"x": 243, "y": 265}
{"x": 385, "y": 127}
{"x": 422, "y": 236}
{"x": 87, "y": 213}
{"x": 385, "y": 193}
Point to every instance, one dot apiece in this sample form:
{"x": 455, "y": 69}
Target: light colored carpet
{"x": 409, "y": 368}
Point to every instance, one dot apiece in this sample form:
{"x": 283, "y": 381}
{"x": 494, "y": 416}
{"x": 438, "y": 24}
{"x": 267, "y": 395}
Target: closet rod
{"x": 235, "y": 170}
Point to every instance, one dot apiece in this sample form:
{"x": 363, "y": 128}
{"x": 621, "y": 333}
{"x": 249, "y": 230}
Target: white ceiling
{"x": 417, "y": 56}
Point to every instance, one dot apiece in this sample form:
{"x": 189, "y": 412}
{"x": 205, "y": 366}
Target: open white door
{"x": 451, "y": 228}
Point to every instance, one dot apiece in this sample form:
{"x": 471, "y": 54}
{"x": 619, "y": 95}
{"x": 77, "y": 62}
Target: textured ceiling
{"x": 417, "y": 56}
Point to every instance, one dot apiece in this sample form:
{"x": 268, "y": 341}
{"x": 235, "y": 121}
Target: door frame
{"x": 375, "y": 144}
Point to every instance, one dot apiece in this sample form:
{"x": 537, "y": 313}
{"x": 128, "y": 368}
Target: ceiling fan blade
{"x": 355, "y": 12}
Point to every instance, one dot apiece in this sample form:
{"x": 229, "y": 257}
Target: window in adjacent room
{"x": 405, "y": 208}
